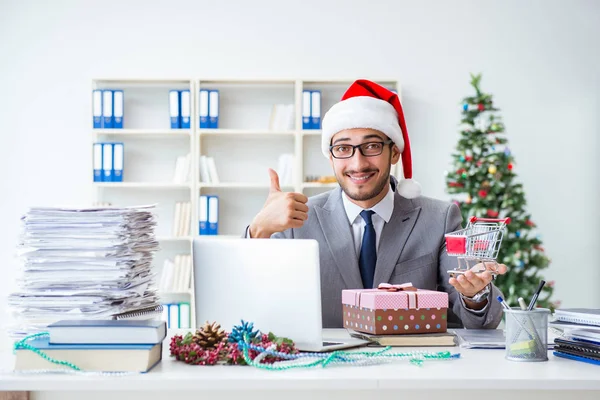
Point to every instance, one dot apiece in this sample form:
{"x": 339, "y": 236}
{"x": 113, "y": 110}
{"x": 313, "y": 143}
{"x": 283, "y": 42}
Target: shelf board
{"x": 240, "y": 185}
{"x": 142, "y": 81}
{"x": 173, "y": 238}
{"x": 311, "y": 132}
{"x": 143, "y": 185}
{"x": 171, "y": 294}
{"x": 152, "y": 133}
{"x": 244, "y": 132}
{"x": 319, "y": 185}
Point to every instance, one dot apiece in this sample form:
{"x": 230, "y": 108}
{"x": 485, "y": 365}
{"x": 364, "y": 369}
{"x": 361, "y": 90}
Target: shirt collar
{"x": 384, "y": 208}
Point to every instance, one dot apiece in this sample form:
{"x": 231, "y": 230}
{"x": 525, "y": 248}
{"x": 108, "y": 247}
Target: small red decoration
{"x": 460, "y": 171}
{"x": 468, "y": 158}
{"x": 510, "y": 166}
{"x": 492, "y": 213}
{"x": 483, "y": 194}
{"x": 455, "y": 184}
{"x": 529, "y": 223}
{"x": 481, "y": 107}
{"x": 479, "y": 163}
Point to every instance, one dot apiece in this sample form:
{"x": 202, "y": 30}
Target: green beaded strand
{"x": 22, "y": 344}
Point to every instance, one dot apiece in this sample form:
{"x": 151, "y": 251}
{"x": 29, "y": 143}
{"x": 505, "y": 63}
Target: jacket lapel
{"x": 393, "y": 238}
{"x": 338, "y": 235}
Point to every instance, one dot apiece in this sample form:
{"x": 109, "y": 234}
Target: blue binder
{"x": 118, "y": 158}
{"x": 203, "y": 109}
{"x": 306, "y": 109}
{"x": 213, "y": 109}
{"x": 315, "y": 109}
{"x": 175, "y": 109}
{"x": 203, "y": 215}
{"x": 97, "y": 159}
{"x": 213, "y": 215}
{"x": 107, "y": 109}
{"x": 97, "y": 108}
{"x": 107, "y": 162}
{"x": 118, "y": 109}
{"x": 185, "y": 109}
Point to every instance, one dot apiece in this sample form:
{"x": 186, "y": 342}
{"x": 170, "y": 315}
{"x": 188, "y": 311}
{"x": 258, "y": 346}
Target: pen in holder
{"x": 526, "y": 334}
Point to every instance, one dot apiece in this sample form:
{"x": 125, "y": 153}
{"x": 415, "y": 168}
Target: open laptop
{"x": 274, "y": 283}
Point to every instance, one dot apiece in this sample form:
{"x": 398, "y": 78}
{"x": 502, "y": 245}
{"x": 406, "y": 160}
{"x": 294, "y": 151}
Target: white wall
{"x": 539, "y": 58}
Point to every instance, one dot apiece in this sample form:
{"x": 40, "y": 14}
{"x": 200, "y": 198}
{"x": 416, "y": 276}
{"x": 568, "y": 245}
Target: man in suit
{"x": 375, "y": 229}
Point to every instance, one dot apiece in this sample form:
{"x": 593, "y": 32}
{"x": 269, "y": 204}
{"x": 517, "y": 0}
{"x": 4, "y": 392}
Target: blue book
{"x": 90, "y": 357}
{"x": 576, "y": 358}
{"x": 107, "y": 332}
{"x": 107, "y": 162}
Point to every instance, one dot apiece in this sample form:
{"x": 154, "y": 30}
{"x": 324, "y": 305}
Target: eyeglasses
{"x": 370, "y": 149}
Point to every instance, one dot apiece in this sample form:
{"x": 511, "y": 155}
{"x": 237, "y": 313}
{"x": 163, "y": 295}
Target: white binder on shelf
{"x": 118, "y": 159}
{"x": 98, "y": 162}
{"x": 97, "y": 108}
{"x": 184, "y": 315}
{"x": 203, "y": 215}
{"x": 107, "y": 162}
{"x": 315, "y": 109}
{"x": 185, "y": 109}
{"x": 173, "y": 316}
{"x": 203, "y": 109}
{"x": 213, "y": 215}
{"x": 213, "y": 109}
{"x": 118, "y": 109}
{"x": 175, "y": 109}
{"x": 306, "y": 123}
{"x": 107, "y": 109}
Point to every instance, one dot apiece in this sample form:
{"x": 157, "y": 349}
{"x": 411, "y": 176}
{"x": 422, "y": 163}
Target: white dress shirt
{"x": 382, "y": 214}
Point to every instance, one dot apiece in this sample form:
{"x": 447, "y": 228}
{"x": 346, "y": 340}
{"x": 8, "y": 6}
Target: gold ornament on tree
{"x": 492, "y": 169}
{"x": 210, "y": 335}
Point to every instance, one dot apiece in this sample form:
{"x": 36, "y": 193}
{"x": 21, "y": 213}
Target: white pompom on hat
{"x": 369, "y": 105}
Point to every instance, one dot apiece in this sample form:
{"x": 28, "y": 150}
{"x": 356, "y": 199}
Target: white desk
{"x": 477, "y": 373}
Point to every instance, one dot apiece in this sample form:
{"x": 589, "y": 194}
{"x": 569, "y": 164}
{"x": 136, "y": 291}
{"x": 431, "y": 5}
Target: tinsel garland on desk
{"x": 246, "y": 346}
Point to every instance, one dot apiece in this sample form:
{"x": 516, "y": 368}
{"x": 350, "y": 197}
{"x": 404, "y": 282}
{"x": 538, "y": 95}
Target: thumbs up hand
{"x": 281, "y": 211}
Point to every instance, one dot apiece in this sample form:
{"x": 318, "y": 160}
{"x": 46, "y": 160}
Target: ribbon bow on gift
{"x": 407, "y": 287}
{"x": 404, "y": 287}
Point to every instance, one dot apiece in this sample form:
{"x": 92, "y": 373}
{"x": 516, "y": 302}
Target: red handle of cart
{"x": 473, "y": 219}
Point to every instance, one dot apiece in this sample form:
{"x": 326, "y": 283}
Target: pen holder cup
{"x": 526, "y": 334}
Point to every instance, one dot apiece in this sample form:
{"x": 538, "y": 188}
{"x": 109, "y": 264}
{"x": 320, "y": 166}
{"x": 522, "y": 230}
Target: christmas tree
{"x": 483, "y": 184}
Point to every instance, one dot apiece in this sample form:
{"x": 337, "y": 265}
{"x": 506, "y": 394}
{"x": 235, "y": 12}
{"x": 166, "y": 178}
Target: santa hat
{"x": 369, "y": 105}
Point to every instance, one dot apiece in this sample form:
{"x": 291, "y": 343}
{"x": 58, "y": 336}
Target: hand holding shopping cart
{"x": 476, "y": 248}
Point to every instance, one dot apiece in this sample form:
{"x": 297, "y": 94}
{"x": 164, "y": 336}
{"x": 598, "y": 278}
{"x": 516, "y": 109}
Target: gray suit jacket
{"x": 411, "y": 249}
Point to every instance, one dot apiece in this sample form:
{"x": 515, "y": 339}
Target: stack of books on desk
{"x": 85, "y": 263}
{"x": 101, "y": 346}
{"x": 580, "y": 334}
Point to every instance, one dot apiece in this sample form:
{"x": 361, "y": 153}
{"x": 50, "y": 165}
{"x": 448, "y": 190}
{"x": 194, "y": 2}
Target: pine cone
{"x": 209, "y": 336}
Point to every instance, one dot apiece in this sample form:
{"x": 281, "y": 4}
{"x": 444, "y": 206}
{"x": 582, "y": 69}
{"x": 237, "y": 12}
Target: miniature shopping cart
{"x": 478, "y": 243}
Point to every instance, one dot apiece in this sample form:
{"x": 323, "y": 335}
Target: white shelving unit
{"x": 243, "y": 148}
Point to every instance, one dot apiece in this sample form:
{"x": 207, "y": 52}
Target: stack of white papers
{"x": 84, "y": 263}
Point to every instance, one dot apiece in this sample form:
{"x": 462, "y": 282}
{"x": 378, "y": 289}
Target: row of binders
{"x": 108, "y": 159}
{"x": 208, "y": 215}
{"x": 176, "y": 275}
{"x": 180, "y": 107}
{"x": 177, "y": 315}
{"x": 311, "y": 109}
{"x": 108, "y": 108}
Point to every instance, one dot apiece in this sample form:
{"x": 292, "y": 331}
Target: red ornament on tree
{"x": 460, "y": 171}
{"x": 510, "y": 166}
{"x": 492, "y": 213}
{"x": 455, "y": 184}
{"x": 481, "y": 107}
{"x": 468, "y": 158}
{"x": 479, "y": 163}
{"x": 529, "y": 223}
{"x": 483, "y": 194}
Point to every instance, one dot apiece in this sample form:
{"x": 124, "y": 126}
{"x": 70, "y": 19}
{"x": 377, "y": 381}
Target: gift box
{"x": 395, "y": 310}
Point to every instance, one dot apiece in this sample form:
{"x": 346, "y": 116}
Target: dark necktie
{"x": 368, "y": 251}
